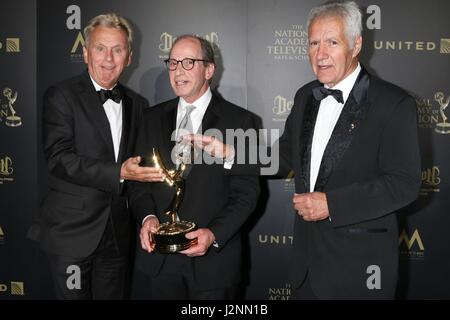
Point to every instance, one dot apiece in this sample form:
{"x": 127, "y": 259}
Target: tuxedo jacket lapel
{"x": 169, "y": 126}
{"x": 127, "y": 105}
{"x": 349, "y": 120}
{"x": 95, "y": 111}
{"x": 211, "y": 115}
{"x": 309, "y": 120}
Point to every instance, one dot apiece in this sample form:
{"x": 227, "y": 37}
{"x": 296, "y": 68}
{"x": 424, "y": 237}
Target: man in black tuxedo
{"x": 356, "y": 164}
{"x": 84, "y": 226}
{"x": 218, "y": 203}
{"x": 351, "y": 140}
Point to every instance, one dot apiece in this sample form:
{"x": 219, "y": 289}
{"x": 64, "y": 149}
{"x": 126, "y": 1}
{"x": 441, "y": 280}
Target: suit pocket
{"x": 65, "y": 200}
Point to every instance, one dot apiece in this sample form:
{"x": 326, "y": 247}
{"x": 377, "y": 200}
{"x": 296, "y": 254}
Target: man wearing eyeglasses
{"x": 218, "y": 203}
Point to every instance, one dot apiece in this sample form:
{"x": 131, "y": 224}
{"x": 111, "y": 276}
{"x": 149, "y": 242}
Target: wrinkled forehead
{"x": 326, "y": 26}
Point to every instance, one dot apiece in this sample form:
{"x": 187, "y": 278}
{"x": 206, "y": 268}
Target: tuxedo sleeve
{"x": 262, "y": 159}
{"x": 243, "y": 195}
{"x": 398, "y": 181}
{"x": 63, "y": 160}
{"x": 140, "y": 194}
{"x": 244, "y": 192}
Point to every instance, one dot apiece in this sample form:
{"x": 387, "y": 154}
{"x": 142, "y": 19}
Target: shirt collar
{"x": 97, "y": 86}
{"x": 346, "y": 85}
{"x": 200, "y": 103}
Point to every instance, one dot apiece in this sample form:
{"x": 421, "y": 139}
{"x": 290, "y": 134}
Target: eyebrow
{"x": 103, "y": 45}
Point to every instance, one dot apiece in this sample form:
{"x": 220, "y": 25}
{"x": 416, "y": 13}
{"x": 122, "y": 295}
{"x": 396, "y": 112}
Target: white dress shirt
{"x": 113, "y": 111}
{"x": 201, "y": 104}
{"x": 329, "y": 112}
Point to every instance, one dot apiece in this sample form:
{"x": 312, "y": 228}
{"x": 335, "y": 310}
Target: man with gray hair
{"x": 90, "y": 124}
{"x": 356, "y": 165}
{"x": 351, "y": 140}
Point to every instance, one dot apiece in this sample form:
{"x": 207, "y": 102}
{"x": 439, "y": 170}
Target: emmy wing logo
{"x": 442, "y": 127}
{"x": 8, "y": 113}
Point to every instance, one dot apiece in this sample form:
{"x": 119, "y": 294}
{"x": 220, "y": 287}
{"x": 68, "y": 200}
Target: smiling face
{"x": 106, "y": 55}
{"x": 331, "y": 57}
{"x": 190, "y": 84}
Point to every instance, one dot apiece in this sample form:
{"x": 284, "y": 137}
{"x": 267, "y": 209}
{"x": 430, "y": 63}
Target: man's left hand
{"x": 131, "y": 170}
{"x": 205, "y": 239}
{"x": 311, "y": 206}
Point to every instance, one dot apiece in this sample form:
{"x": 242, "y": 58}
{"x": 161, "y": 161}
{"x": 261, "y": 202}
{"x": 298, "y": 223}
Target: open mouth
{"x": 181, "y": 83}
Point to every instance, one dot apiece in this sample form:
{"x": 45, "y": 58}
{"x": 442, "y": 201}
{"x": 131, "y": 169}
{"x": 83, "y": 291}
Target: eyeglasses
{"x": 186, "y": 63}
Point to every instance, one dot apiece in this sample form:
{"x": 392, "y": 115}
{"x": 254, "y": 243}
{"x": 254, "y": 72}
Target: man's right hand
{"x": 149, "y": 227}
{"x": 132, "y": 171}
{"x": 211, "y": 145}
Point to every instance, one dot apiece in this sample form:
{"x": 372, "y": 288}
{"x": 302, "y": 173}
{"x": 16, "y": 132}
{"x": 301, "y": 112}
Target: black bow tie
{"x": 322, "y": 92}
{"x": 113, "y": 94}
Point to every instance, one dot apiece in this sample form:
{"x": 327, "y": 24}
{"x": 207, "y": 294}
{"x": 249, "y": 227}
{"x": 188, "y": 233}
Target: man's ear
{"x": 129, "y": 58}
{"x": 85, "y": 55}
{"x": 357, "y": 47}
{"x": 210, "y": 68}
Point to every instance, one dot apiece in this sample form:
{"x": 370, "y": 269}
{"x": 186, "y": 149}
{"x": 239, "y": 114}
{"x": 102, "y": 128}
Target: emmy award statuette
{"x": 442, "y": 127}
{"x": 12, "y": 120}
{"x": 170, "y": 236}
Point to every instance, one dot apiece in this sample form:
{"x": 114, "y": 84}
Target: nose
{"x": 179, "y": 69}
{"x": 321, "y": 53}
{"x": 109, "y": 55}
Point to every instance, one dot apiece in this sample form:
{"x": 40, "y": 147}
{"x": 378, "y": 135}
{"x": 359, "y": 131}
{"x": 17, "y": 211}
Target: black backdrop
{"x": 262, "y": 61}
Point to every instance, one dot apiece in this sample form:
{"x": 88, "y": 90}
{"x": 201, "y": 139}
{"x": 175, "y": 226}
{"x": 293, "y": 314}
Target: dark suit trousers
{"x": 176, "y": 281}
{"x": 103, "y": 273}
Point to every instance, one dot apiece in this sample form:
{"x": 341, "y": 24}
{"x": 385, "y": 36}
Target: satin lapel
{"x": 127, "y": 105}
{"x": 346, "y": 127}
{"x": 307, "y": 132}
{"x": 169, "y": 126}
{"x": 95, "y": 112}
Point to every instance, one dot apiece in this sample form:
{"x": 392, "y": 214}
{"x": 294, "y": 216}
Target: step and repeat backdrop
{"x": 262, "y": 61}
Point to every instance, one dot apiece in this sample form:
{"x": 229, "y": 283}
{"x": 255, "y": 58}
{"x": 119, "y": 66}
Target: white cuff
{"x": 228, "y": 162}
